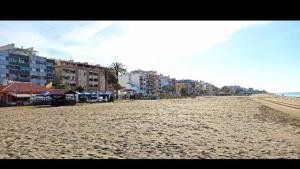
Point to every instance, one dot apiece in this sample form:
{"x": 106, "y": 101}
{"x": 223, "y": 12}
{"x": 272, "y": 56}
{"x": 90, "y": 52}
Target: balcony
{"x": 39, "y": 81}
{"x": 2, "y": 71}
{"x": 24, "y": 70}
{"x": 50, "y": 68}
{"x": 38, "y": 73}
{"x": 66, "y": 77}
{"x": 71, "y": 71}
{"x": 3, "y": 62}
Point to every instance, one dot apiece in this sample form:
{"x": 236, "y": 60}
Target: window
{"x": 38, "y": 69}
{"x": 23, "y": 76}
{"x": 3, "y": 58}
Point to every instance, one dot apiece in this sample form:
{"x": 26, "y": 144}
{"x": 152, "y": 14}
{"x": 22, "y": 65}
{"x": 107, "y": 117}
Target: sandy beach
{"x": 205, "y": 127}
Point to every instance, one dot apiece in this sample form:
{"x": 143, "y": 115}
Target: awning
{"x": 20, "y": 95}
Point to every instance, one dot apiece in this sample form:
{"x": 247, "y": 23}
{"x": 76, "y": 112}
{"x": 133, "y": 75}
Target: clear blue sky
{"x": 262, "y": 55}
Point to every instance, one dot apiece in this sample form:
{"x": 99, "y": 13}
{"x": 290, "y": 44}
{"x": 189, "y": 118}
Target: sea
{"x": 290, "y": 94}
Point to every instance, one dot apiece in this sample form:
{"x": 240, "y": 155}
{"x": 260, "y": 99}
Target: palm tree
{"x": 107, "y": 73}
{"x": 118, "y": 68}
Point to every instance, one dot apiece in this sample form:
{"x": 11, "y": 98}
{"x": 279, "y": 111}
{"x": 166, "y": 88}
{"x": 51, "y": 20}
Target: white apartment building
{"x": 135, "y": 80}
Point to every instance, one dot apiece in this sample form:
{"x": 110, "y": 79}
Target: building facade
{"x": 50, "y": 71}
{"x": 38, "y": 72}
{"x": 17, "y": 64}
{"x": 186, "y": 85}
{"x": 25, "y": 65}
{"x": 138, "y": 79}
{"x": 4, "y": 69}
{"x": 152, "y": 83}
{"x": 147, "y": 82}
{"x": 164, "y": 83}
{"x": 172, "y": 83}
{"x": 73, "y": 74}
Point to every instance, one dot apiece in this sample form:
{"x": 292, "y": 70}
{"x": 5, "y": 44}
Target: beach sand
{"x": 205, "y": 127}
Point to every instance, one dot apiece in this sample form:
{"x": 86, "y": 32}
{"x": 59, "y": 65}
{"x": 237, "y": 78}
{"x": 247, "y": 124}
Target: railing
{"x": 38, "y": 73}
{"x": 4, "y": 70}
{"x": 4, "y": 62}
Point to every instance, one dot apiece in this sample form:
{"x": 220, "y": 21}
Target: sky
{"x": 263, "y": 55}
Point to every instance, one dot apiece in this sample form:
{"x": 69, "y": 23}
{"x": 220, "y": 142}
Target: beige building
{"x": 74, "y": 74}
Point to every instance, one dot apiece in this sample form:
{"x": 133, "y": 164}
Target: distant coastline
{"x": 289, "y": 94}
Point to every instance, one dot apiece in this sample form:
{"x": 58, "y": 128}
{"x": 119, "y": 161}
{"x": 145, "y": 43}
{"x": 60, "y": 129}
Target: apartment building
{"x": 138, "y": 79}
{"x": 38, "y": 72}
{"x": 164, "y": 83}
{"x": 152, "y": 82}
{"x": 186, "y": 84}
{"x": 135, "y": 80}
{"x": 4, "y": 71}
{"x": 167, "y": 84}
{"x": 207, "y": 86}
{"x": 124, "y": 80}
{"x": 19, "y": 64}
{"x": 147, "y": 82}
{"x": 16, "y": 64}
{"x": 74, "y": 74}
{"x": 65, "y": 73}
{"x": 172, "y": 84}
{"x": 50, "y": 71}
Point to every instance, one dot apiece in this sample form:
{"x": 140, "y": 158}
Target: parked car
{"x": 100, "y": 99}
{"x": 92, "y": 99}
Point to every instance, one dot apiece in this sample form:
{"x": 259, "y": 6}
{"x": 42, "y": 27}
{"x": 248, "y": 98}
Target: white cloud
{"x": 144, "y": 43}
{"x": 86, "y": 32}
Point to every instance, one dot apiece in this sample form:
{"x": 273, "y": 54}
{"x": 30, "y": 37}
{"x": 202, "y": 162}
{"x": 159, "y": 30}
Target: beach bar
{"x": 20, "y": 93}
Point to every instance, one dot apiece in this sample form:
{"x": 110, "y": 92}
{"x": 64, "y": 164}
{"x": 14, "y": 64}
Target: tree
{"x": 166, "y": 88}
{"x": 225, "y": 89}
{"x": 117, "y": 86}
{"x": 61, "y": 86}
{"x": 203, "y": 92}
{"x": 193, "y": 85}
{"x": 118, "y": 68}
{"x": 79, "y": 89}
{"x": 172, "y": 89}
{"x": 183, "y": 91}
{"x": 215, "y": 91}
{"x": 107, "y": 75}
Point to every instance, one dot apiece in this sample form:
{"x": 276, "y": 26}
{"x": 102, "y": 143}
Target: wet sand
{"x": 206, "y": 127}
